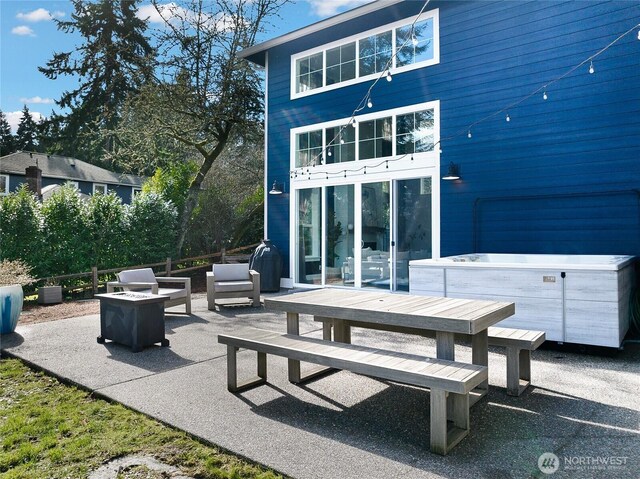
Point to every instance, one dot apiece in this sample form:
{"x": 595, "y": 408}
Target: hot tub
{"x": 581, "y": 299}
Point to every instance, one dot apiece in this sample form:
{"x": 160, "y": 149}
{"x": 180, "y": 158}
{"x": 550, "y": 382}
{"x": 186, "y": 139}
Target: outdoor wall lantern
{"x": 453, "y": 173}
{"x": 277, "y": 188}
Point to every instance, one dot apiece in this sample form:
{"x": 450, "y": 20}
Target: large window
{"x": 341, "y": 142}
{"x": 398, "y": 46}
{"x": 375, "y": 53}
{"x": 416, "y": 47}
{"x": 414, "y": 132}
{"x": 309, "y": 72}
{"x": 341, "y": 63}
{"x": 309, "y": 235}
{"x": 375, "y": 138}
{"x": 308, "y": 148}
{"x": 406, "y": 131}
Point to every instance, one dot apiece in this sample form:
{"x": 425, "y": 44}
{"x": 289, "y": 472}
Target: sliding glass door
{"x": 363, "y": 235}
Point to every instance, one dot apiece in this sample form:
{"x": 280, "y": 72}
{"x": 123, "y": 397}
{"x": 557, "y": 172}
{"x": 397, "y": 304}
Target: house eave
{"x": 256, "y": 53}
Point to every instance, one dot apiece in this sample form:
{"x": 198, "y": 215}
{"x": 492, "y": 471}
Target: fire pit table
{"x": 133, "y": 319}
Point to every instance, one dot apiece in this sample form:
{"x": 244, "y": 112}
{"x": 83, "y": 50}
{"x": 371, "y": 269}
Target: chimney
{"x": 34, "y": 181}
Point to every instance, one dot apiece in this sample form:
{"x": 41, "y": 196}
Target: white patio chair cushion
{"x": 173, "y": 293}
{"x": 229, "y": 286}
{"x": 144, "y": 275}
{"x": 231, "y": 272}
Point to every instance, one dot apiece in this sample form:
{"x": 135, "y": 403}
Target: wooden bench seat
{"x": 444, "y": 378}
{"x": 518, "y": 343}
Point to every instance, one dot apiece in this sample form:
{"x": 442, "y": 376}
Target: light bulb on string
{"x": 545, "y": 96}
{"x": 389, "y": 78}
{"x": 353, "y": 122}
{"x": 365, "y": 170}
{"x": 341, "y": 141}
{"x": 414, "y": 40}
{"x": 329, "y": 153}
{"x": 591, "y": 69}
{"x": 638, "y": 34}
{"x": 369, "y": 103}
{"x": 508, "y": 118}
{"x": 469, "y": 134}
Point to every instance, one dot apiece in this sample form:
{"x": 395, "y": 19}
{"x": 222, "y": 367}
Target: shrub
{"x": 106, "y": 229}
{"x": 15, "y": 272}
{"x": 21, "y": 227}
{"x": 150, "y": 229}
{"x": 65, "y": 234}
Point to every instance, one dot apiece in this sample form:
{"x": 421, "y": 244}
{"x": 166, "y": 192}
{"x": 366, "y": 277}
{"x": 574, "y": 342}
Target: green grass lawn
{"x": 50, "y": 430}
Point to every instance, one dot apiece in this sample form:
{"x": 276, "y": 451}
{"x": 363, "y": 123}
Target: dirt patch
{"x": 37, "y": 313}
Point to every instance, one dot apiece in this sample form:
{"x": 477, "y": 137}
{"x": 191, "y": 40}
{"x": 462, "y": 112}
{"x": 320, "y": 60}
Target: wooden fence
{"x": 171, "y": 266}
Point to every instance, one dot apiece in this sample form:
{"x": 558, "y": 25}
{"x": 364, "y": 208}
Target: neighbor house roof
{"x": 256, "y": 53}
{"x": 64, "y": 168}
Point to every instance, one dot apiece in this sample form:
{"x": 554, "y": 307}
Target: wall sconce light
{"x": 453, "y": 173}
{"x": 277, "y": 188}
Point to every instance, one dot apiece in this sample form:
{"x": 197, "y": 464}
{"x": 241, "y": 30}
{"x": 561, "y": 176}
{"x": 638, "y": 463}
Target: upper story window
{"x": 374, "y": 53}
{"x": 400, "y": 132}
{"x": 341, "y": 63}
{"x": 400, "y": 46}
{"x": 309, "y": 72}
{"x": 4, "y": 185}
{"x": 308, "y": 148}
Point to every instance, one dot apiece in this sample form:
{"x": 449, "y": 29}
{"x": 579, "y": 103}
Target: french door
{"x": 363, "y": 235}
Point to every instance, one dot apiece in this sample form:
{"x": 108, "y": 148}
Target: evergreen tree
{"x": 111, "y": 62}
{"x": 27, "y": 134}
{"x": 7, "y": 140}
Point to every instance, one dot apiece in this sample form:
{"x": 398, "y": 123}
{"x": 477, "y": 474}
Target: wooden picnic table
{"x": 396, "y": 312}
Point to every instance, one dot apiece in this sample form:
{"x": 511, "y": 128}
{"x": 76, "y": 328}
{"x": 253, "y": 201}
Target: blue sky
{"x": 29, "y": 37}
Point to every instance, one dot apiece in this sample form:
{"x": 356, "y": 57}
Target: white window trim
{"x": 420, "y": 160}
{"x": 6, "y": 180}
{"x": 106, "y": 188}
{"x": 434, "y": 14}
{"x": 135, "y": 189}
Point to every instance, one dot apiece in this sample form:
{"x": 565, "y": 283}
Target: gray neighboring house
{"x": 57, "y": 170}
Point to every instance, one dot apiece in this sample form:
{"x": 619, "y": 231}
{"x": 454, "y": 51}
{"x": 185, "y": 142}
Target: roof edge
{"x": 315, "y": 27}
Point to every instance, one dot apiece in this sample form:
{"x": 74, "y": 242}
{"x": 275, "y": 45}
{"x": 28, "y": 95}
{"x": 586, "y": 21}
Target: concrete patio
{"x": 583, "y": 408}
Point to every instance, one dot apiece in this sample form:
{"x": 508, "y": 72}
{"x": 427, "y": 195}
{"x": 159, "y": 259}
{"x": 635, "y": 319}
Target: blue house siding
{"x": 558, "y": 178}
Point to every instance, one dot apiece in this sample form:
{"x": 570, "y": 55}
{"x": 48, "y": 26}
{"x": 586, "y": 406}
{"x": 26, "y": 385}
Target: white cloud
{"x": 326, "y": 8}
{"x": 40, "y": 15}
{"x": 23, "y": 30}
{"x": 14, "y": 117}
{"x": 37, "y": 99}
{"x": 167, "y": 11}
{"x": 173, "y": 13}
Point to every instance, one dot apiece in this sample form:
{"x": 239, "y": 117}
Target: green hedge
{"x": 65, "y": 234}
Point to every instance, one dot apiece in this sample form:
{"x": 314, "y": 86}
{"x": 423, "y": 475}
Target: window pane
{"x": 348, "y": 152}
{"x": 302, "y": 66}
{"x": 333, "y": 75}
{"x": 348, "y": 71}
{"x": 309, "y": 238}
{"x": 315, "y": 62}
{"x": 367, "y": 130}
{"x": 333, "y": 57}
{"x": 4, "y": 185}
{"x": 316, "y": 80}
{"x": 404, "y": 144}
{"x": 348, "y": 52}
{"x": 338, "y": 257}
{"x": 367, "y": 149}
{"x": 375, "y": 235}
{"x": 407, "y": 52}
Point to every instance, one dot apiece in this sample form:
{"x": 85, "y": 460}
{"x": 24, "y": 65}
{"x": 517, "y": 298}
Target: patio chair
{"x": 145, "y": 281}
{"x": 232, "y": 281}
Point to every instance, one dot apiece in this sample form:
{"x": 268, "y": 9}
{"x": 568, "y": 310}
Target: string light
{"x": 370, "y": 103}
{"x": 638, "y": 34}
{"x": 591, "y": 69}
{"x": 469, "y": 134}
{"x": 414, "y": 40}
{"x": 544, "y": 95}
{"x": 329, "y": 153}
{"x": 508, "y": 118}
{"x": 389, "y": 78}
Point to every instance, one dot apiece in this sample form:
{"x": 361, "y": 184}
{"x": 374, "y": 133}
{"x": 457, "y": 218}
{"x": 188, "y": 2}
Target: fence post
{"x": 168, "y": 267}
{"x": 223, "y": 256}
{"x": 94, "y": 278}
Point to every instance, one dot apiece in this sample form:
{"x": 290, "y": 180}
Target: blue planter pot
{"x": 11, "y": 305}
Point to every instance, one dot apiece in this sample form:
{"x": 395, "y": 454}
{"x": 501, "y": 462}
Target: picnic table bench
{"x": 450, "y": 382}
